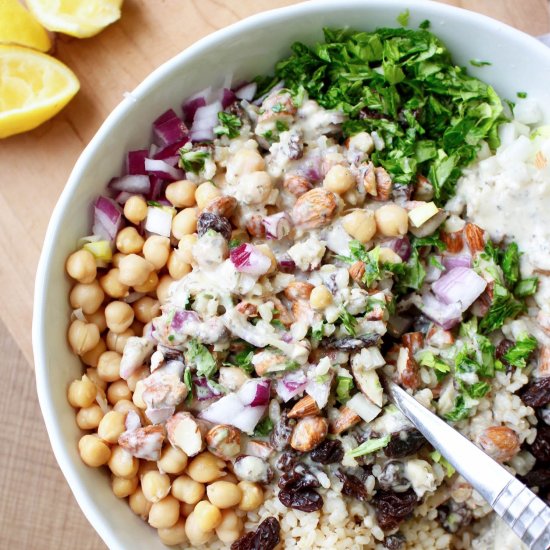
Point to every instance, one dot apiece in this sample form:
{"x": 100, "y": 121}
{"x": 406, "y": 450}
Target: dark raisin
{"x": 392, "y": 508}
{"x": 299, "y": 477}
{"x": 287, "y": 460}
{"x": 541, "y": 446}
{"x": 351, "y": 344}
{"x": 395, "y": 542}
{"x": 453, "y": 516}
{"x": 537, "y": 394}
{"x": 402, "y": 192}
{"x": 208, "y": 220}
{"x": 306, "y": 500}
{"x": 537, "y": 478}
{"x": 501, "y": 350}
{"x": 329, "y": 451}
{"x": 353, "y": 486}
{"x": 392, "y": 477}
{"x": 282, "y": 432}
{"x": 266, "y": 537}
{"x": 404, "y": 443}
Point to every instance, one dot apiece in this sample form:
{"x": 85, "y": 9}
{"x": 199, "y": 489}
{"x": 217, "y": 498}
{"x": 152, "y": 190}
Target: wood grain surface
{"x": 37, "y": 510}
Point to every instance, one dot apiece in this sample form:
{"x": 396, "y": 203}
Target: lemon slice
{"x": 80, "y": 18}
{"x": 18, "y": 26}
{"x": 33, "y": 88}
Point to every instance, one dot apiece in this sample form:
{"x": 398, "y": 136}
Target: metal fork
{"x": 523, "y": 511}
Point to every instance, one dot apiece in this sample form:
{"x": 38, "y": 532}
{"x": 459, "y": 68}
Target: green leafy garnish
{"x": 478, "y": 390}
{"x": 504, "y": 306}
{"x": 264, "y": 427}
{"x": 433, "y": 240}
{"x": 519, "y": 354}
{"x": 234, "y": 243}
{"x": 425, "y": 24}
{"x": 154, "y": 203}
{"x": 344, "y": 387}
{"x": 243, "y": 360}
{"x": 522, "y": 95}
{"x": 428, "y": 359}
{"x": 460, "y": 410}
{"x": 187, "y": 379}
{"x": 348, "y": 321}
{"x": 198, "y": 355}
{"x": 358, "y": 252}
{"x": 410, "y": 274}
{"x": 278, "y": 323}
{"x": 192, "y": 161}
{"x": 281, "y": 126}
{"x": 430, "y": 114}
{"x": 318, "y": 332}
{"x": 478, "y": 63}
{"x": 510, "y": 264}
{"x": 436, "y": 457}
{"x": 369, "y": 446}
{"x": 229, "y": 125}
{"x": 526, "y": 287}
{"x": 403, "y": 18}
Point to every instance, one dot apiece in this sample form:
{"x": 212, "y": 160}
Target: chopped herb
{"x": 348, "y": 321}
{"x": 192, "y": 161}
{"x": 278, "y": 107}
{"x": 318, "y": 332}
{"x": 436, "y": 457}
{"x": 154, "y": 203}
{"x": 243, "y": 360}
{"x": 281, "y": 126}
{"x": 410, "y": 274}
{"x": 264, "y": 83}
{"x": 425, "y": 25}
{"x": 171, "y": 338}
{"x": 487, "y": 353}
{"x": 234, "y": 243}
{"x": 519, "y": 354}
{"x": 504, "y": 307}
{"x": 510, "y": 264}
{"x": 403, "y": 18}
{"x": 428, "y": 359}
{"x": 522, "y": 95}
{"x": 460, "y": 410}
{"x": 268, "y": 135}
{"x": 264, "y": 427}
{"x": 198, "y": 355}
{"x": 369, "y": 446}
{"x": 229, "y": 125}
{"x": 478, "y": 390}
{"x": 432, "y": 260}
{"x": 371, "y": 260}
{"x": 478, "y": 63}
{"x": 344, "y": 387}
{"x": 526, "y": 287}
{"x": 434, "y": 240}
{"x": 187, "y": 379}
{"x": 278, "y": 323}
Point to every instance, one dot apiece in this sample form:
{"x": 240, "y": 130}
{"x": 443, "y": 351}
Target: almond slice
{"x": 474, "y": 237}
{"x": 305, "y": 407}
{"x": 453, "y": 241}
{"x": 344, "y": 421}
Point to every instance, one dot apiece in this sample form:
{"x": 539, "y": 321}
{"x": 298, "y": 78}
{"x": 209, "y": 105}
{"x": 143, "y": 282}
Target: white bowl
{"x": 519, "y": 63}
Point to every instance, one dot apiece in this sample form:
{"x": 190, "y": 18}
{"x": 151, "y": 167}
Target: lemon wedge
{"x": 33, "y": 88}
{"x": 18, "y": 26}
{"x": 80, "y": 18}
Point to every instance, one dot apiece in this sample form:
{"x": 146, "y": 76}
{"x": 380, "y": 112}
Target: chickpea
{"x": 339, "y": 179}
{"x": 88, "y": 418}
{"x": 112, "y": 285}
{"x": 81, "y": 266}
{"x": 320, "y": 297}
{"x": 206, "y": 468}
{"x": 255, "y": 187}
{"x": 185, "y": 247}
{"x": 129, "y": 241}
{"x": 186, "y": 509}
{"x": 224, "y": 494}
{"x": 122, "y": 463}
{"x": 194, "y": 533}
{"x": 392, "y": 220}
{"x": 86, "y": 296}
{"x": 149, "y": 285}
{"x": 116, "y": 341}
{"x": 138, "y": 375}
{"x": 146, "y": 466}
{"x": 164, "y": 513}
{"x": 184, "y": 222}
{"x": 83, "y": 337}
{"x": 360, "y": 224}
{"x": 156, "y": 250}
{"x": 118, "y": 390}
{"x": 206, "y": 192}
{"x": 111, "y": 426}
{"x": 146, "y": 309}
{"x": 98, "y": 318}
{"x": 163, "y": 288}
{"x": 139, "y": 504}
{"x": 91, "y": 358}
{"x": 387, "y": 255}
{"x": 122, "y": 487}
{"x": 245, "y": 161}
{"x": 231, "y": 527}
{"x": 265, "y": 249}
{"x": 181, "y": 193}
{"x": 172, "y": 460}
{"x": 137, "y": 397}
{"x": 134, "y": 270}
{"x": 135, "y": 209}
{"x": 108, "y": 366}
{"x": 137, "y": 327}
{"x": 207, "y": 516}
{"x": 361, "y": 142}
{"x": 155, "y": 486}
{"x": 172, "y": 536}
{"x": 116, "y": 258}
{"x": 119, "y": 316}
{"x": 253, "y": 496}
{"x": 93, "y": 451}
{"x": 187, "y": 490}
{"x": 125, "y": 406}
{"x": 91, "y": 373}
{"x": 177, "y": 268}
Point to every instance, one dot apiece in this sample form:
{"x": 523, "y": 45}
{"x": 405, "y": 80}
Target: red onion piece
{"x": 247, "y": 259}
{"x": 135, "y": 162}
{"x": 158, "y": 188}
{"x": 462, "y": 260}
{"x": 169, "y": 152}
{"x": 247, "y": 91}
{"x": 291, "y": 385}
{"x": 285, "y": 264}
{"x": 279, "y": 86}
{"x": 445, "y": 315}
{"x": 255, "y": 392}
{"x": 277, "y": 226}
{"x": 460, "y": 284}
{"x": 181, "y": 317}
{"x": 107, "y": 218}
{"x": 169, "y": 128}
{"x": 227, "y": 97}
{"x": 122, "y": 197}
{"x": 206, "y": 118}
{"x": 204, "y": 390}
{"x": 190, "y": 107}
{"x": 401, "y": 246}
{"x": 131, "y": 184}
{"x": 433, "y": 273}
{"x": 163, "y": 170}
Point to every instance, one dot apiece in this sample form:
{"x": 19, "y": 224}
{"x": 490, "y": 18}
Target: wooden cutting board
{"x": 37, "y": 510}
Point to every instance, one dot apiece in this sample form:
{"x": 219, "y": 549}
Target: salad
{"x": 278, "y": 250}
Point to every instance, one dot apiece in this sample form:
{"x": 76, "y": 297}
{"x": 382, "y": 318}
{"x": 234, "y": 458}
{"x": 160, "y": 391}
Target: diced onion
{"x": 131, "y": 184}
{"x": 169, "y": 128}
{"x": 162, "y": 169}
{"x": 444, "y": 315}
{"x": 460, "y": 284}
{"x": 135, "y": 162}
{"x": 462, "y": 260}
{"x": 159, "y": 221}
{"x": 291, "y": 385}
{"x": 248, "y": 91}
{"x": 277, "y": 226}
{"x": 247, "y": 259}
{"x": 107, "y": 218}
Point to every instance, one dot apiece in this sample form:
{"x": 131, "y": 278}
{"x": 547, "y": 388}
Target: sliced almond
{"x": 499, "y": 442}
{"x": 384, "y": 184}
{"x": 298, "y": 290}
{"x": 222, "y": 206}
{"x": 255, "y": 226}
{"x": 423, "y": 190}
{"x": 413, "y": 341}
{"x": 474, "y": 237}
{"x": 248, "y": 309}
{"x": 314, "y": 209}
{"x": 407, "y": 369}
{"x": 439, "y": 338}
{"x": 145, "y": 443}
{"x": 308, "y": 433}
{"x": 543, "y": 366}
{"x": 356, "y": 272}
{"x": 186, "y": 433}
{"x": 305, "y": 407}
{"x": 368, "y": 176}
{"x": 453, "y": 241}
{"x": 224, "y": 441}
{"x": 261, "y": 449}
{"x": 344, "y": 421}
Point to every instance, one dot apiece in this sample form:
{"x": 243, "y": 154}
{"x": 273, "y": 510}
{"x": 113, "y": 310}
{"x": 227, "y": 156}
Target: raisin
{"x": 454, "y": 516}
{"x": 538, "y": 393}
{"x": 351, "y": 344}
{"x": 306, "y": 500}
{"x": 537, "y": 478}
{"x": 328, "y": 452}
{"x": 404, "y": 443}
{"x": 501, "y": 350}
{"x": 392, "y": 508}
{"x": 282, "y": 432}
{"x": 392, "y": 477}
{"x": 208, "y": 220}
{"x": 353, "y": 486}
{"x": 266, "y": 537}
{"x": 299, "y": 477}
{"x": 541, "y": 446}
{"x": 395, "y": 542}
{"x": 287, "y": 460}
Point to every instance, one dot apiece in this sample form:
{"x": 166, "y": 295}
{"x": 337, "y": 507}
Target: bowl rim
{"x": 94, "y": 515}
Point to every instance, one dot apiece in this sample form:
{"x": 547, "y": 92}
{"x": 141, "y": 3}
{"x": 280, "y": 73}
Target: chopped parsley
{"x": 460, "y": 410}
{"x": 478, "y": 390}
{"x": 425, "y": 25}
{"x": 403, "y": 18}
{"x": 234, "y": 243}
{"x": 436, "y": 457}
{"x": 522, "y": 95}
{"x": 154, "y": 203}
{"x": 428, "y": 359}
{"x": 278, "y": 323}
{"x": 243, "y": 360}
{"x": 229, "y": 125}
{"x": 344, "y": 387}
{"x": 503, "y": 307}
{"x": 369, "y": 446}
{"x": 192, "y": 161}
{"x": 349, "y": 322}
{"x": 526, "y": 287}
{"x": 187, "y": 379}
{"x": 264, "y": 427}
{"x": 198, "y": 355}
{"x": 318, "y": 332}
{"x": 281, "y": 126}
{"x": 371, "y": 260}
{"x": 510, "y": 264}
{"x": 478, "y": 63}
{"x": 519, "y": 354}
